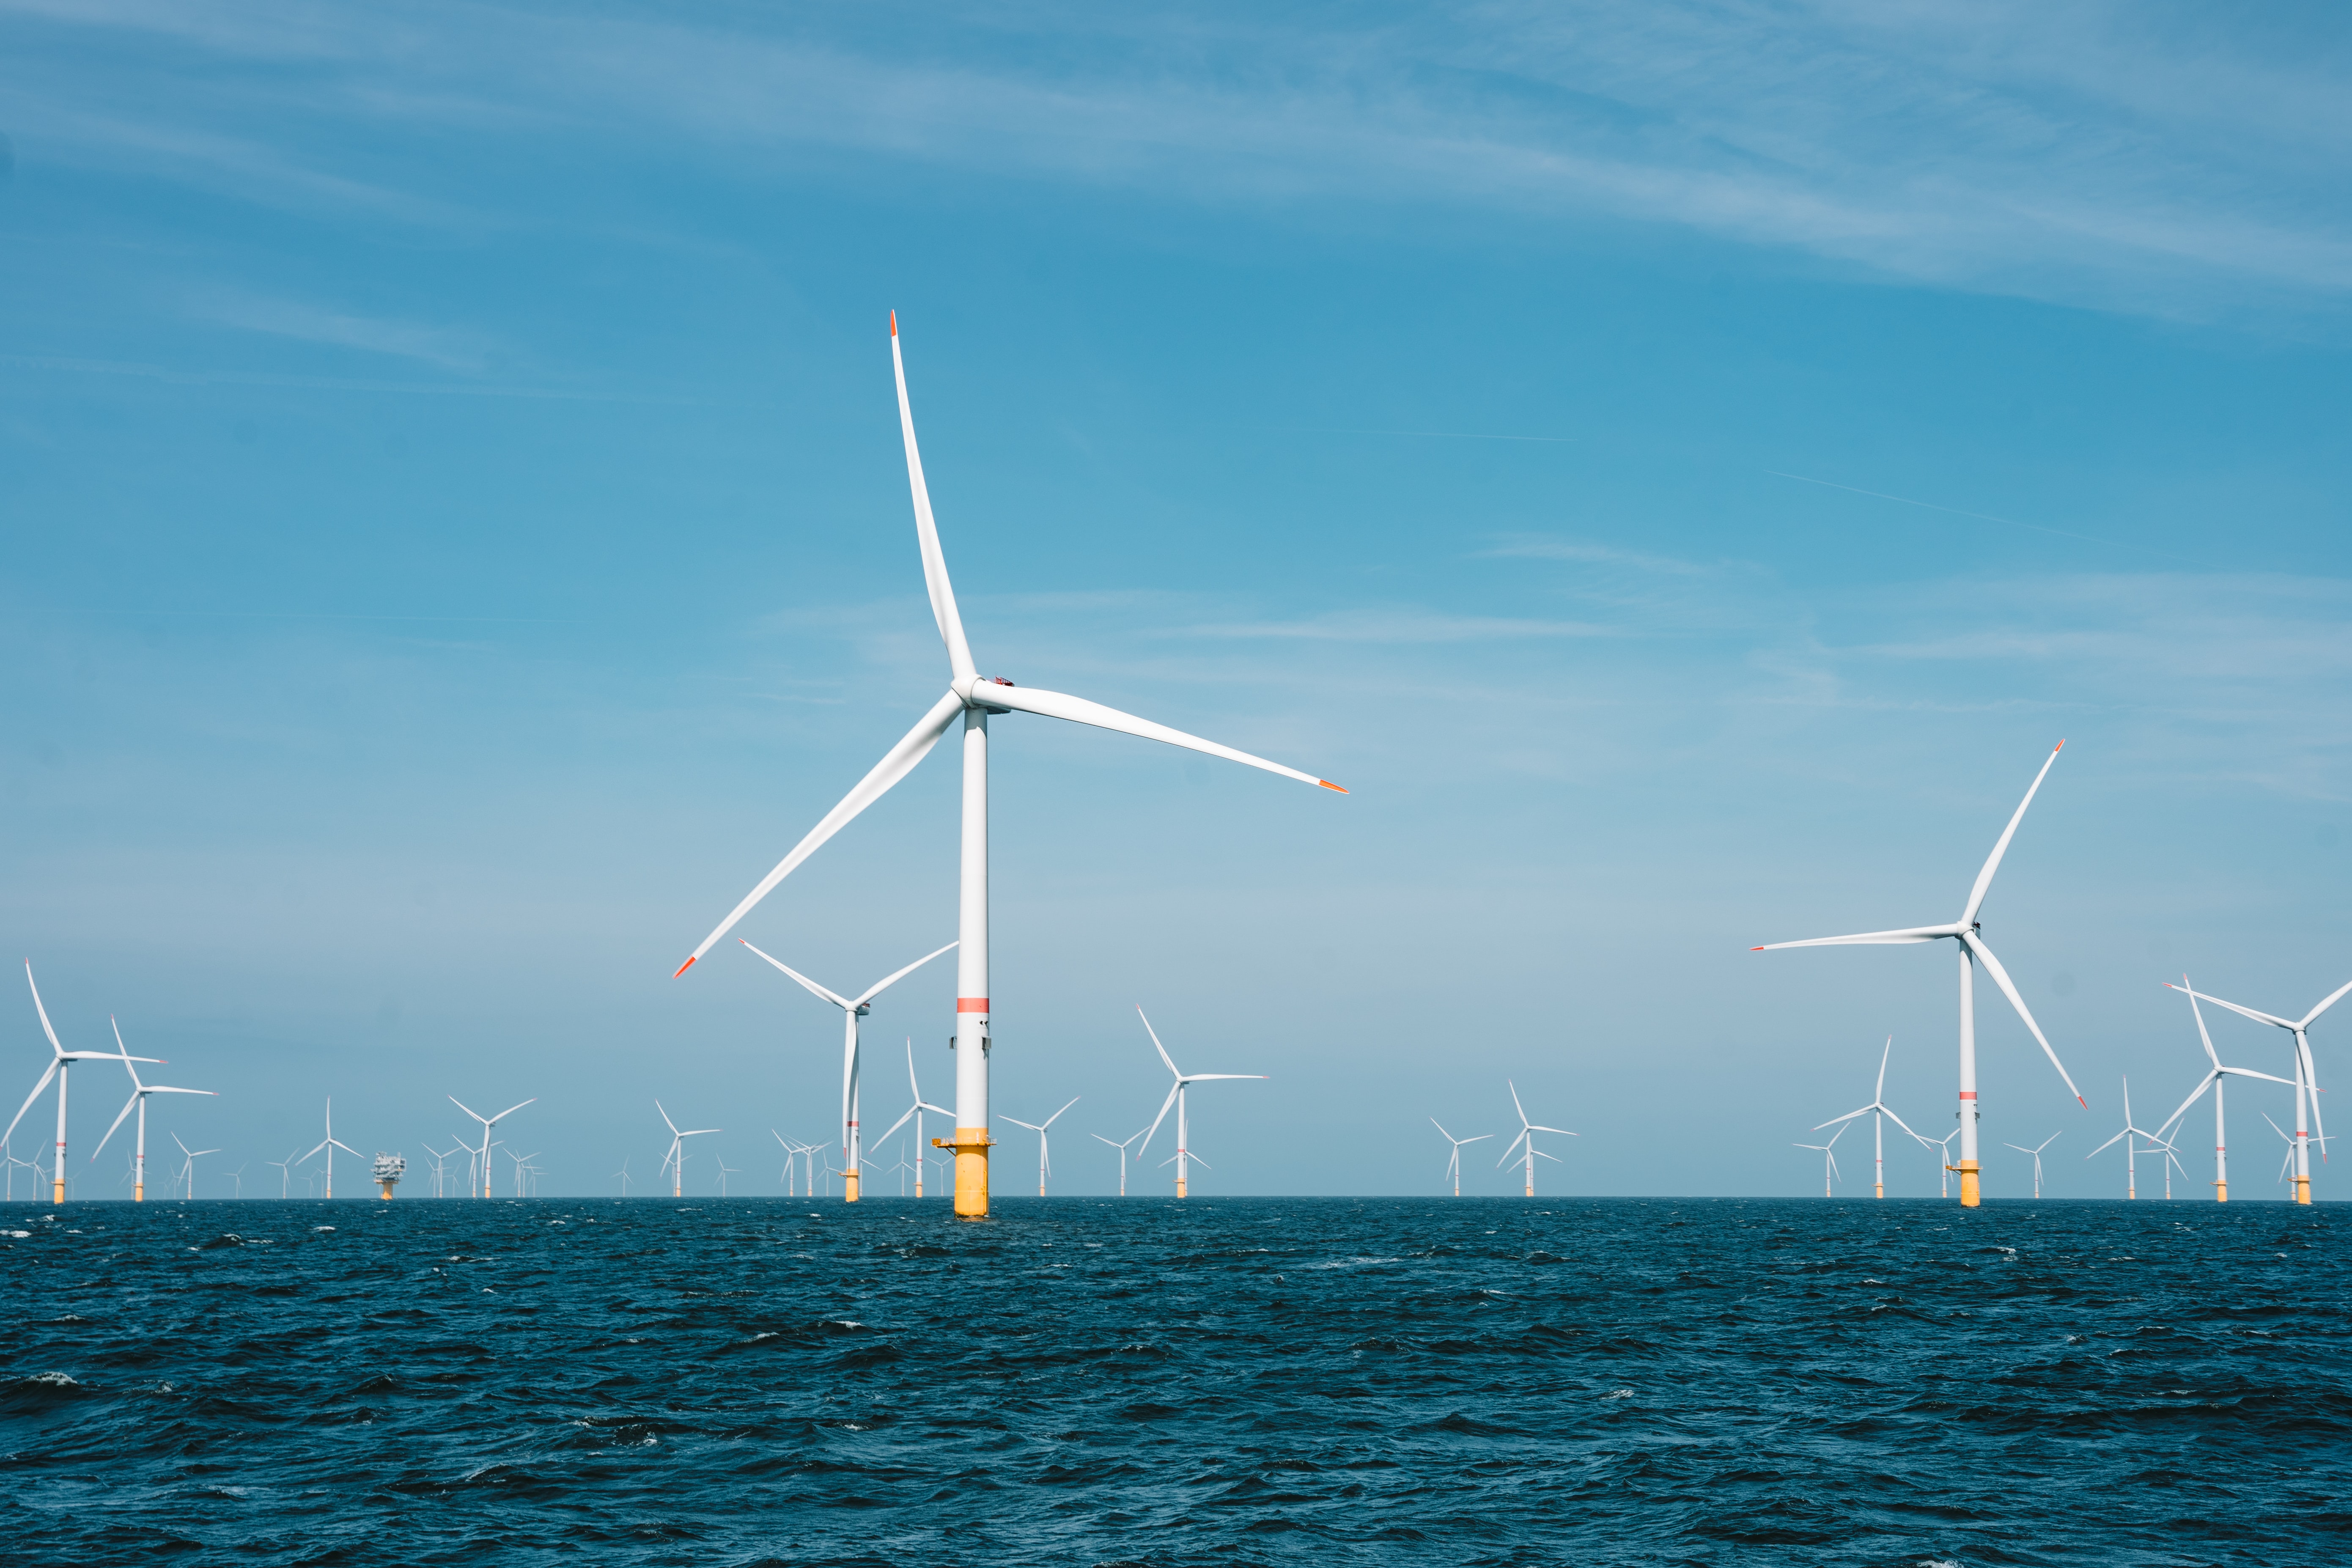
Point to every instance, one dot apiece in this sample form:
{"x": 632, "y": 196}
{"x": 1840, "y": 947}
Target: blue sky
{"x": 1681, "y": 467}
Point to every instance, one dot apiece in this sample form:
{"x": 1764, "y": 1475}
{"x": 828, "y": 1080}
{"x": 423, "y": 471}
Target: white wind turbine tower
{"x": 285, "y": 1172}
{"x": 2129, "y": 1138}
{"x": 789, "y": 1177}
{"x": 522, "y": 1164}
{"x": 2213, "y": 1080}
{"x": 851, "y": 1011}
{"x": 1875, "y": 1109}
{"x": 1045, "y": 1160}
{"x": 623, "y": 1173}
{"x": 2036, "y": 1152}
{"x": 915, "y": 1110}
{"x": 974, "y": 698}
{"x": 675, "y": 1161}
{"x": 1121, "y": 1147}
{"x": 188, "y": 1167}
{"x": 329, "y": 1144}
{"x": 2307, "y": 1079}
{"x": 1829, "y": 1161}
{"x": 1526, "y": 1143}
{"x": 481, "y": 1164}
{"x": 139, "y": 1093}
{"x": 725, "y": 1171}
{"x": 60, "y": 1059}
{"x": 1183, "y": 1155}
{"x": 1971, "y": 943}
{"x": 1454, "y": 1161}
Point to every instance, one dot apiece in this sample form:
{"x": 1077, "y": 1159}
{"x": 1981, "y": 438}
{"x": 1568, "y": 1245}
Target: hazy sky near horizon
{"x": 1681, "y": 465}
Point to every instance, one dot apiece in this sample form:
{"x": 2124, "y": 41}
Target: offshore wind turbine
{"x": 1968, "y": 938}
{"x": 915, "y": 1110}
{"x": 675, "y": 1161}
{"x": 1121, "y": 1147}
{"x": 2213, "y": 1080}
{"x": 139, "y": 1093}
{"x": 2036, "y": 1152}
{"x": 481, "y": 1164}
{"x": 330, "y": 1145}
{"x": 2129, "y": 1137}
{"x": 1526, "y": 1141}
{"x": 974, "y": 698}
{"x": 1453, "y": 1161}
{"x": 1944, "y": 1144}
{"x": 60, "y": 1060}
{"x": 1829, "y": 1161}
{"x": 285, "y": 1172}
{"x": 851, "y": 1011}
{"x": 1184, "y": 1080}
{"x": 1874, "y": 1110}
{"x": 1045, "y": 1160}
{"x": 2307, "y": 1081}
{"x": 188, "y": 1167}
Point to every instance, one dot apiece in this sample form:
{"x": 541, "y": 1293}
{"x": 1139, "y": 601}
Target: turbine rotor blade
{"x": 2232, "y": 1006}
{"x": 1164, "y": 1104}
{"x": 1155, "y": 1045}
{"x": 2333, "y": 997}
{"x": 927, "y": 532}
{"x": 879, "y": 986}
{"x": 2008, "y": 989}
{"x": 1992, "y": 861}
{"x": 127, "y": 1106}
{"x": 48, "y": 1073}
{"x": 896, "y": 764}
{"x": 1866, "y": 939}
{"x": 806, "y": 984}
{"x": 1079, "y": 710}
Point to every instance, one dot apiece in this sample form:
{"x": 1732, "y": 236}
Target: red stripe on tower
{"x": 972, "y": 1003}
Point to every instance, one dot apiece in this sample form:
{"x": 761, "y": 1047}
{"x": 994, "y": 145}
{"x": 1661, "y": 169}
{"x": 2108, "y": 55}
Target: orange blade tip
{"x": 2059, "y": 747}
{"x": 1755, "y": 950}
{"x": 1327, "y": 783}
{"x": 894, "y": 332}
{"x": 683, "y": 968}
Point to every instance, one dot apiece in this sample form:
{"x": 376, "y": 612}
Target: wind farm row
{"x": 964, "y": 1158}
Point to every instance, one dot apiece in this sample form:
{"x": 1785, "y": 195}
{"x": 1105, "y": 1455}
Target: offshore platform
{"x": 389, "y": 1169}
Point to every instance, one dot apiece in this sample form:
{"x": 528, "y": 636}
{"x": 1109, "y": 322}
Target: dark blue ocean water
{"x": 1081, "y": 1381}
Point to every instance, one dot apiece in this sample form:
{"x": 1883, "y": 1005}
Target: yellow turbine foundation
{"x": 139, "y": 1193}
{"x": 970, "y": 1145}
{"x": 1970, "y": 1196}
{"x": 1179, "y": 1186}
{"x": 60, "y": 1196}
{"x": 2221, "y": 1191}
{"x": 2303, "y": 1189}
{"x": 849, "y": 1185}
{"x": 387, "y": 1191}
{"x": 1881, "y": 1189}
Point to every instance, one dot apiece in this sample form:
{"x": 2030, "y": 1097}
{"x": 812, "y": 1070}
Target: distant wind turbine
{"x": 1184, "y": 1080}
{"x": 329, "y": 1144}
{"x": 1829, "y": 1161}
{"x": 2036, "y": 1152}
{"x": 2129, "y": 1138}
{"x": 482, "y": 1167}
{"x": 675, "y": 1161}
{"x": 1525, "y": 1143}
{"x": 1874, "y": 1110}
{"x": 60, "y": 1059}
{"x": 915, "y": 1110}
{"x": 2306, "y": 1080}
{"x": 1454, "y": 1161}
{"x": 188, "y": 1167}
{"x": 1121, "y": 1147}
{"x": 2213, "y": 1080}
{"x": 1045, "y": 1160}
{"x": 138, "y": 1101}
{"x": 852, "y": 1009}
{"x": 974, "y": 698}
{"x": 1968, "y": 938}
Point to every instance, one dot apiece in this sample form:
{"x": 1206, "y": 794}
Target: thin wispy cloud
{"x": 447, "y": 348}
{"x": 2129, "y": 157}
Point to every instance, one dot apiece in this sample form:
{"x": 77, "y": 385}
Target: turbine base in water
{"x": 970, "y": 1145}
{"x": 2221, "y": 1191}
{"x": 2303, "y": 1189}
{"x": 849, "y": 1185}
{"x": 1970, "y": 1196}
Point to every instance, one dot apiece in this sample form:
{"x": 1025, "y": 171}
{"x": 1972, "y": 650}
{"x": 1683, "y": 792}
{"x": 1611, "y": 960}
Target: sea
{"x": 1144, "y": 1380}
